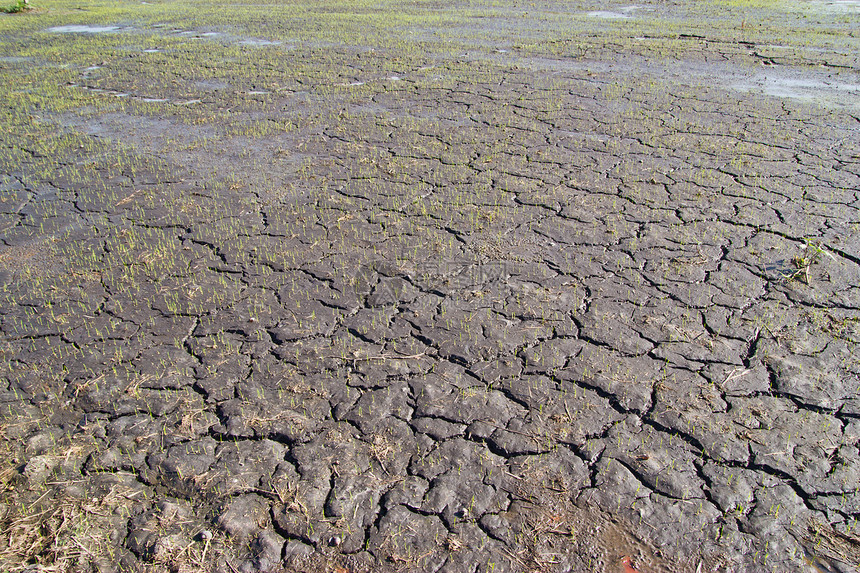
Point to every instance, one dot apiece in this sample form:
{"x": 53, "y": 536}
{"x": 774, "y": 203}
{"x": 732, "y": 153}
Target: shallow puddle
{"x": 83, "y": 29}
{"x": 193, "y": 34}
{"x": 836, "y": 6}
{"x": 211, "y": 85}
{"x": 803, "y": 89}
{"x": 618, "y": 14}
{"x": 257, "y": 42}
{"x": 606, "y": 15}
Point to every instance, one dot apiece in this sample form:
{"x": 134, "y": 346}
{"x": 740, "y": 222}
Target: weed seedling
{"x": 802, "y": 263}
{"x": 18, "y": 6}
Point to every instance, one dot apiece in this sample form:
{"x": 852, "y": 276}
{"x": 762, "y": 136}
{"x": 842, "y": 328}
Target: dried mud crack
{"x": 473, "y": 287}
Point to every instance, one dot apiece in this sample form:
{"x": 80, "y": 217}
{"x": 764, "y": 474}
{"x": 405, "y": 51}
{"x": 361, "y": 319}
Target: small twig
{"x": 567, "y": 411}
{"x": 81, "y": 545}
{"x": 514, "y": 557}
{"x": 207, "y": 538}
{"x": 736, "y": 373}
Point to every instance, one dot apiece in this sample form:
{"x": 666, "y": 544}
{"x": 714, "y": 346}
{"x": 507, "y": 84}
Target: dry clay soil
{"x": 462, "y": 287}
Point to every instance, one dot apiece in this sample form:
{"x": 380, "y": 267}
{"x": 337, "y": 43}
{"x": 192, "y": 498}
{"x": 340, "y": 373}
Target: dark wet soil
{"x": 542, "y": 288}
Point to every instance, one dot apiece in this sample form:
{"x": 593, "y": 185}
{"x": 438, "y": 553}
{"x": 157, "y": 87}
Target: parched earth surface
{"x": 465, "y": 287}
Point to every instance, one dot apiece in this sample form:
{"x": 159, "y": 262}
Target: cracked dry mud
{"x": 458, "y": 288}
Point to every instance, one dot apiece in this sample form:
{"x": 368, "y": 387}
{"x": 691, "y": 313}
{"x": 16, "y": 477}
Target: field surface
{"x": 470, "y": 286}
